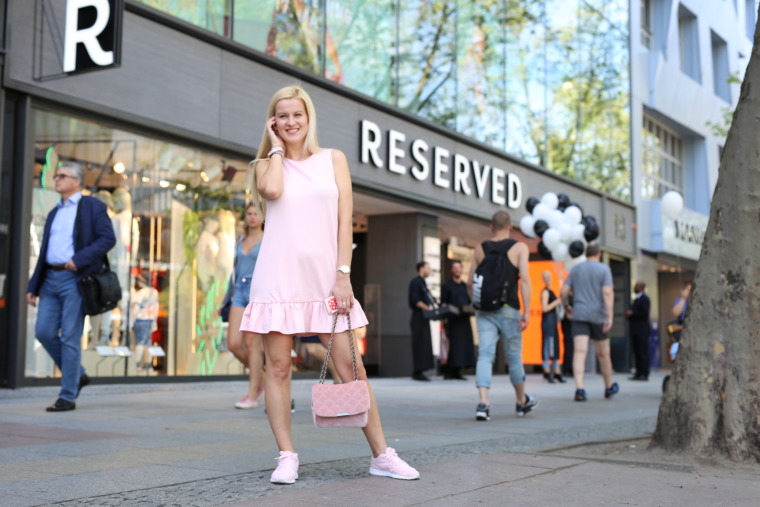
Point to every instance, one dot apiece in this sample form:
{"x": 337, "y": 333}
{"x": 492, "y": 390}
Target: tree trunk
{"x": 712, "y": 406}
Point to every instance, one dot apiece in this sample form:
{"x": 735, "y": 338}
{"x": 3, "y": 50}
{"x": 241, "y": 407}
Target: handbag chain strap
{"x": 323, "y": 373}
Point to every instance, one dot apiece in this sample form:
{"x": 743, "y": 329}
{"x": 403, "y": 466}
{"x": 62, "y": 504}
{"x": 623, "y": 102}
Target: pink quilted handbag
{"x": 340, "y": 405}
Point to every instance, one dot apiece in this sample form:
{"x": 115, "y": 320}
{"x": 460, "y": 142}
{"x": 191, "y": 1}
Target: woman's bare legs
{"x": 277, "y": 387}
{"x": 255, "y": 362}
{"x": 341, "y": 355}
{"x": 245, "y": 347}
{"x": 319, "y": 352}
{"x": 235, "y": 337}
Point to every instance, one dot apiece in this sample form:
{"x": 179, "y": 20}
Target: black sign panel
{"x": 109, "y": 39}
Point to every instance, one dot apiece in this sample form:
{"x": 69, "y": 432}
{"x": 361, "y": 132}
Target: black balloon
{"x": 592, "y": 228}
{"x": 576, "y": 249}
{"x": 579, "y": 207}
{"x": 531, "y": 203}
{"x": 562, "y": 208}
{"x": 564, "y": 200}
{"x": 540, "y": 227}
{"x": 543, "y": 251}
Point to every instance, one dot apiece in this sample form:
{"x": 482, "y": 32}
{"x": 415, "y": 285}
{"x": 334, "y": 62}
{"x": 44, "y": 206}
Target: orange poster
{"x": 532, "y": 335}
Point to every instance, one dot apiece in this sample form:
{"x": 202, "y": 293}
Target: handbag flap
{"x": 339, "y": 400}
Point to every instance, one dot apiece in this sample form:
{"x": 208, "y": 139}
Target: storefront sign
{"x": 92, "y": 35}
{"x": 684, "y": 235}
{"x": 449, "y": 171}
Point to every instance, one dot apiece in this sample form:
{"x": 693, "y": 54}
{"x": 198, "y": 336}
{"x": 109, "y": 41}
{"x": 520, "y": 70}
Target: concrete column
{"x": 394, "y": 246}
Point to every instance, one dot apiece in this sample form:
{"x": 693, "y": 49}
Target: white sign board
{"x": 684, "y": 235}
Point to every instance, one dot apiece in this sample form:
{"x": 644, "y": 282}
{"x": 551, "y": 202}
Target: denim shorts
{"x": 242, "y": 292}
{"x": 143, "y": 329}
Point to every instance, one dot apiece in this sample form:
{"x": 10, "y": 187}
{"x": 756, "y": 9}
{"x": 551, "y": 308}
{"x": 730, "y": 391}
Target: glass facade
{"x": 544, "y": 80}
{"x": 176, "y": 211}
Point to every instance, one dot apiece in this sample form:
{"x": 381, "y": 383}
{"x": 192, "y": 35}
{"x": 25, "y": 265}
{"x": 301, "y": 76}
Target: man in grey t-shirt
{"x": 593, "y": 296}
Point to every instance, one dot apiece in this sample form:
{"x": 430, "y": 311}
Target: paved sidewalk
{"x": 186, "y": 445}
{"x": 526, "y": 480}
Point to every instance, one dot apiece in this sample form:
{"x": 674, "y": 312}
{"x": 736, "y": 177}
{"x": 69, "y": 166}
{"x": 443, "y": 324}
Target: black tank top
{"x": 552, "y": 298}
{"x": 513, "y": 274}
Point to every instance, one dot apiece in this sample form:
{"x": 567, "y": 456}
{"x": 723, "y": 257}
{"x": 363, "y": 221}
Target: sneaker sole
{"x": 274, "y": 481}
{"x": 381, "y": 473}
{"x": 245, "y": 407}
{"x": 521, "y": 414}
{"x": 481, "y": 416}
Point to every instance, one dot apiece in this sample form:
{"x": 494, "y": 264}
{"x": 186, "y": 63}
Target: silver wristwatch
{"x": 346, "y": 270}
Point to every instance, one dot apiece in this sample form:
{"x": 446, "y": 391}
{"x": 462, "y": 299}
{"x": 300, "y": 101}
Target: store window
{"x": 176, "y": 212}
{"x": 662, "y": 160}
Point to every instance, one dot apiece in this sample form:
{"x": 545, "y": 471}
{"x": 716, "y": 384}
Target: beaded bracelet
{"x": 275, "y": 149}
{"x": 276, "y": 153}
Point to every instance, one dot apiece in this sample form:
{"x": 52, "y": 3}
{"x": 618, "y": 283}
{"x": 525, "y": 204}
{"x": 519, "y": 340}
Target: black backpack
{"x": 490, "y": 285}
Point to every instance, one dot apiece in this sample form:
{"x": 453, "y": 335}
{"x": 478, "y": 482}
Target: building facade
{"x": 446, "y": 111}
{"x": 687, "y": 60}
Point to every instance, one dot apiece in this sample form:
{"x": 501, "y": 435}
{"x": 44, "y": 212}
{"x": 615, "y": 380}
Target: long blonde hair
{"x": 310, "y": 146}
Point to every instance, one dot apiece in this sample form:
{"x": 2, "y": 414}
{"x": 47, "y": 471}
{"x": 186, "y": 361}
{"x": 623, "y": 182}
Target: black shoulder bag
{"x": 439, "y": 312}
{"x": 101, "y": 291}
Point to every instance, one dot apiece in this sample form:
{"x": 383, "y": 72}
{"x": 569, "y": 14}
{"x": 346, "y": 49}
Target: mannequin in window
{"x": 120, "y": 255}
{"x": 144, "y": 314}
{"x": 207, "y": 251}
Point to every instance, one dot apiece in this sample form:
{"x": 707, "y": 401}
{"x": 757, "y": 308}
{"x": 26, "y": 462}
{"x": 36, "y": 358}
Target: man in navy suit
{"x": 638, "y": 320}
{"x": 66, "y": 256}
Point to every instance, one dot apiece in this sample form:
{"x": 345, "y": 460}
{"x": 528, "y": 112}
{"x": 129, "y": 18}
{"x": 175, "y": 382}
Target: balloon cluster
{"x": 562, "y": 226}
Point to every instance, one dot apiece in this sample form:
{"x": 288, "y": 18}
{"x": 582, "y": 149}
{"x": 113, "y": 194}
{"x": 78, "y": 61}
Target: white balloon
{"x": 556, "y": 218}
{"x": 526, "y": 226}
{"x": 573, "y": 215}
{"x": 565, "y": 233}
{"x": 551, "y": 238}
{"x": 559, "y": 253}
{"x": 550, "y": 199}
{"x": 541, "y": 211}
{"x": 578, "y": 231}
{"x": 672, "y": 204}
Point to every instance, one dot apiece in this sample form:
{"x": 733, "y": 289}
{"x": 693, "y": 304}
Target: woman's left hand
{"x": 343, "y": 294}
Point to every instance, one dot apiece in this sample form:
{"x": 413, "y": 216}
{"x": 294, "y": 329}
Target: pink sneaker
{"x": 390, "y": 465}
{"x": 246, "y": 403}
{"x": 287, "y": 468}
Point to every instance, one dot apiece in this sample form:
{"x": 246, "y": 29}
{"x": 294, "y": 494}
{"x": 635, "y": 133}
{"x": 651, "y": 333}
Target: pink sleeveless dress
{"x": 296, "y": 268}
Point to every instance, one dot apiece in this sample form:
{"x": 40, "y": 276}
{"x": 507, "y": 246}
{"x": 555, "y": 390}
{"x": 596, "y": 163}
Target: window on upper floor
{"x": 688, "y": 38}
{"x": 750, "y": 15}
{"x": 646, "y": 23}
{"x": 721, "y": 72}
{"x": 662, "y": 160}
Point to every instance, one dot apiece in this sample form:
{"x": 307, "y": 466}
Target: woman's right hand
{"x": 274, "y": 137}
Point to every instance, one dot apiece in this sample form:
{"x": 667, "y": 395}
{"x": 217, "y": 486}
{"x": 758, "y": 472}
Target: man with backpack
{"x": 499, "y": 263}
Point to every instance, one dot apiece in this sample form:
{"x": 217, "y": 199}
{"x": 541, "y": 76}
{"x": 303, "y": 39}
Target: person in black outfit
{"x": 638, "y": 320}
{"x": 549, "y": 332}
{"x": 458, "y": 329}
{"x": 422, "y": 343}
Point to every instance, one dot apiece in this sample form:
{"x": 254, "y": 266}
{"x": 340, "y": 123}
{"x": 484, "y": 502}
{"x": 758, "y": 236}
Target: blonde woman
{"x": 305, "y": 259}
{"x": 247, "y": 349}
